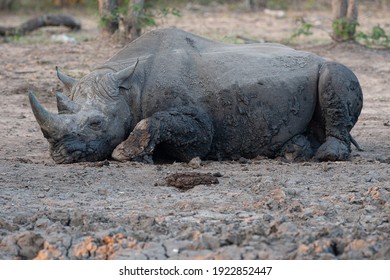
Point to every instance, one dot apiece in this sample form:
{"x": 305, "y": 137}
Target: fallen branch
{"x": 41, "y": 21}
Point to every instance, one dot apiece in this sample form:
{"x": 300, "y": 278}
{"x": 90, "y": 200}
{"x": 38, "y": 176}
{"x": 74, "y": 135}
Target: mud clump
{"x": 188, "y": 180}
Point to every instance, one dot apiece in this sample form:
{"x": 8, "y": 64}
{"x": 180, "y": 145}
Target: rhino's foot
{"x": 138, "y": 146}
{"x": 124, "y": 153}
{"x": 297, "y": 149}
{"x": 333, "y": 150}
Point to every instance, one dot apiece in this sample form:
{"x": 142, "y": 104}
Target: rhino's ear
{"x": 122, "y": 77}
{"x": 68, "y": 82}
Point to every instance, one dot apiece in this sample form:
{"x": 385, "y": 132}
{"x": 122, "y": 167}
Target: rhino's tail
{"x": 353, "y": 141}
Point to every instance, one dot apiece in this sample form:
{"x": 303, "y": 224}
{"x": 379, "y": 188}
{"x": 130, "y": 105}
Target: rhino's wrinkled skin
{"x": 174, "y": 95}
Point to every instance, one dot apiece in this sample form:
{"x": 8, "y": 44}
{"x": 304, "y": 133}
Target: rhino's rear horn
{"x": 65, "y": 105}
{"x": 68, "y": 82}
{"x": 52, "y": 125}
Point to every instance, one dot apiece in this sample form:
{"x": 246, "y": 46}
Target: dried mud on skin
{"x": 260, "y": 209}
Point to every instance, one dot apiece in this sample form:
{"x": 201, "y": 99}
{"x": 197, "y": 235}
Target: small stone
{"x": 372, "y": 176}
{"x": 195, "y": 163}
{"x": 303, "y": 249}
{"x": 102, "y": 192}
{"x": 243, "y": 160}
{"x": 42, "y": 223}
{"x": 267, "y": 179}
{"x": 174, "y": 247}
{"x": 154, "y": 251}
{"x": 291, "y": 192}
{"x": 209, "y": 242}
{"x": 20, "y": 219}
{"x": 7, "y": 226}
{"x": 267, "y": 217}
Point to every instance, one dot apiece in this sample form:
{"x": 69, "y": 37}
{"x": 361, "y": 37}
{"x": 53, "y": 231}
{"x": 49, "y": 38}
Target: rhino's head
{"x": 89, "y": 127}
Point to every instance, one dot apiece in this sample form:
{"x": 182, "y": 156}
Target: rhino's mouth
{"x": 70, "y": 150}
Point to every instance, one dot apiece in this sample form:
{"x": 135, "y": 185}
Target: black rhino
{"x": 173, "y": 95}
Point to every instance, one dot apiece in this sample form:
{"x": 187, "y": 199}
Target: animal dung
{"x": 187, "y": 180}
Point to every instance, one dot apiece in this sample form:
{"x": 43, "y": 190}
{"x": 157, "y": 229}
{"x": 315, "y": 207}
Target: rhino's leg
{"x": 340, "y": 102}
{"x": 177, "y": 134}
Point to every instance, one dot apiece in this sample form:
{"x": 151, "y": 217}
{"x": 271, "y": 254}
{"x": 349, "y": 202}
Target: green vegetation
{"x": 344, "y": 30}
{"x": 347, "y": 32}
{"x": 151, "y": 11}
{"x": 304, "y": 29}
{"x": 277, "y": 4}
{"x": 377, "y": 37}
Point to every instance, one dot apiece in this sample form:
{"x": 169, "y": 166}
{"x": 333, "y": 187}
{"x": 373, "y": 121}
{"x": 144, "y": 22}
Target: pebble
{"x": 195, "y": 163}
{"x": 372, "y": 177}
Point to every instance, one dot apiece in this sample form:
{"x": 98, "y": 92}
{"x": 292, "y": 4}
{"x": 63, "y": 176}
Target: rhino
{"x": 171, "y": 95}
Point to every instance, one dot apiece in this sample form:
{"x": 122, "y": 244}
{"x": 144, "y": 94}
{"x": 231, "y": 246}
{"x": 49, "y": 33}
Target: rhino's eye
{"x": 95, "y": 124}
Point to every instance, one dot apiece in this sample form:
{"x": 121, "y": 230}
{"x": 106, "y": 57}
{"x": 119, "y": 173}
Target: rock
{"x": 4, "y": 224}
{"x": 154, "y": 251}
{"x": 267, "y": 217}
{"x": 244, "y": 161}
{"x": 85, "y": 249}
{"x": 43, "y": 223}
{"x": 29, "y": 244}
{"x": 379, "y": 195}
{"x": 20, "y": 219}
{"x": 174, "y": 247}
{"x": 195, "y": 163}
{"x": 209, "y": 242}
{"x": 372, "y": 176}
{"x": 232, "y": 252}
{"x": 267, "y": 180}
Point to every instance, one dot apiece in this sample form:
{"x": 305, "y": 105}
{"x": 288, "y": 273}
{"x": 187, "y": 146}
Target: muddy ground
{"x": 260, "y": 209}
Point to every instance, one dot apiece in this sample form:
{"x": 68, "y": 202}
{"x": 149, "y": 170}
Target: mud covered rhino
{"x": 173, "y": 95}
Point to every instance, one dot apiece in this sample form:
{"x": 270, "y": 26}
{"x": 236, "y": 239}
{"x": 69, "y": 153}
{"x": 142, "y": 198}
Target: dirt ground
{"x": 260, "y": 209}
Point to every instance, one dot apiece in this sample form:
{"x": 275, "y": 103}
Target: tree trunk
{"x": 255, "y": 5}
{"x": 339, "y": 9}
{"x": 352, "y": 13}
{"x": 109, "y": 18}
{"x": 133, "y": 27}
{"x": 345, "y": 15}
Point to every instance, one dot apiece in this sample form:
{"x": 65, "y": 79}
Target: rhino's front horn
{"x": 52, "y": 125}
{"x": 65, "y": 105}
{"x": 68, "y": 82}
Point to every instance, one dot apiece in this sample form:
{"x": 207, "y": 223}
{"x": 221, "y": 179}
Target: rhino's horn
{"x": 68, "y": 82}
{"x": 52, "y": 125}
{"x": 65, "y": 105}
